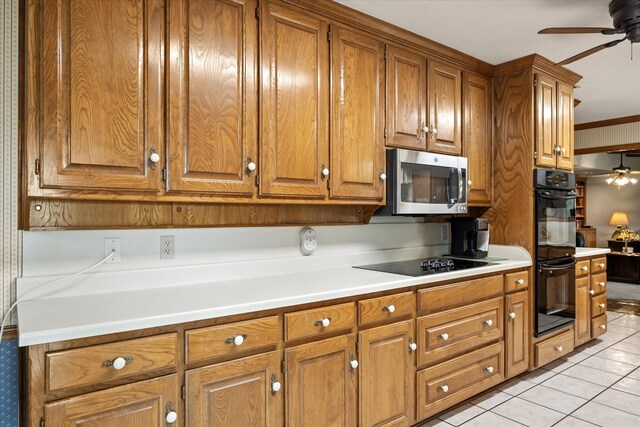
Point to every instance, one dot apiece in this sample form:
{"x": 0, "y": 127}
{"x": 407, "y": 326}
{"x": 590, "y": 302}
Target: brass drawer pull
{"x": 117, "y": 363}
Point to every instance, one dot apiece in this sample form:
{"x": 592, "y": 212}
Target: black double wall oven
{"x": 555, "y": 205}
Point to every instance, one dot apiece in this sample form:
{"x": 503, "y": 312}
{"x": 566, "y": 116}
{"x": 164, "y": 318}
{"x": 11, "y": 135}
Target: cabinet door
{"x": 387, "y": 375}
{"x": 321, "y": 385}
{"x": 294, "y": 106}
{"x": 517, "y": 333}
{"x": 565, "y": 126}
{"x": 212, "y": 114}
{"x": 406, "y": 99}
{"x": 476, "y": 137}
{"x": 101, "y": 89}
{"x": 582, "y": 326}
{"x": 545, "y": 121}
{"x": 445, "y": 106}
{"x": 357, "y": 97}
{"x": 236, "y": 393}
{"x": 145, "y": 403}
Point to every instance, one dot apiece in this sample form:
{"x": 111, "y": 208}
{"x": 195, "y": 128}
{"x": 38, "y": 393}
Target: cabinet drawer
{"x": 598, "y": 283}
{"x": 598, "y": 305}
{"x": 516, "y": 281}
{"x": 451, "y": 382}
{"x": 385, "y": 308}
{"x": 453, "y": 332}
{"x": 599, "y": 326}
{"x": 598, "y": 265}
{"x": 309, "y": 323}
{"x": 230, "y": 339}
{"x": 438, "y": 298}
{"x": 583, "y": 267}
{"x": 99, "y": 363}
{"x": 553, "y": 348}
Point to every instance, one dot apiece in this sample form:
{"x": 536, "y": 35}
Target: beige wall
{"x": 604, "y": 199}
{"x": 9, "y": 238}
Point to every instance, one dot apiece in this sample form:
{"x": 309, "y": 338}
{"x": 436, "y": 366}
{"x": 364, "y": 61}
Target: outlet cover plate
{"x": 167, "y": 247}
{"x": 112, "y": 244}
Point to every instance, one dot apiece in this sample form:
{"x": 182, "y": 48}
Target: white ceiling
{"x": 497, "y": 31}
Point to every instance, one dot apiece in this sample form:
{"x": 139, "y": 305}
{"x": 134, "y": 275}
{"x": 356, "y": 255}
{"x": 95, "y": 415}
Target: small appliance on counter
{"x": 470, "y": 237}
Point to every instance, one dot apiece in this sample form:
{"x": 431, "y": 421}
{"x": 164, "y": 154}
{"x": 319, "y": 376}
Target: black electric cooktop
{"x": 423, "y": 267}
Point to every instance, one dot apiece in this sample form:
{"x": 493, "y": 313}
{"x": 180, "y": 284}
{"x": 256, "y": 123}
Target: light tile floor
{"x": 598, "y": 384}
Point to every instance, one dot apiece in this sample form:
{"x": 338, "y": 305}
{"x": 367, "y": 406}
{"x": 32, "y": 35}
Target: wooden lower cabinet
{"x": 451, "y": 382}
{"x": 236, "y": 393}
{"x": 145, "y": 403}
{"x": 582, "y": 326}
{"x": 387, "y": 391}
{"x": 321, "y": 384}
{"x": 516, "y": 333}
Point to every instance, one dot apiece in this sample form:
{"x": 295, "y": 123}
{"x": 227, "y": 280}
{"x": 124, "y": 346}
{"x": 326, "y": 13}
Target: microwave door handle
{"x": 460, "y": 184}
{"x": 558, "y": 267}
{"x": 453, "y": 200}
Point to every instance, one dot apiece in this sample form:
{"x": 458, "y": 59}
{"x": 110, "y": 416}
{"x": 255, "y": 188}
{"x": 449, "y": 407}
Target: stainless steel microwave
{"x": 421, "y": 183}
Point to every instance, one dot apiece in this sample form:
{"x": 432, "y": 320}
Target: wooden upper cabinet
{"x": 387, "y": 376}
{"x": 144, "y": 403}
{"x": 406, "y": 99}
{"x": 294, "y": 107}
{"x": 545, "y": 121}
{"x": 100, "y": 94}
{"x": 357, "y": 125}
{"x": 565, "y": 126}
{"x": 476, "y": 137}
{"x": 445, "y": 102}
{"x": 212, "y": 98}
{"x": 320, "y": 384}
{"x": 235, "y": 393}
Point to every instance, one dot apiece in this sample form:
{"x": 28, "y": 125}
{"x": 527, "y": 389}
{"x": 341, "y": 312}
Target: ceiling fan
{"x": 626, "y": 20}
{"x": 620, "y": 175}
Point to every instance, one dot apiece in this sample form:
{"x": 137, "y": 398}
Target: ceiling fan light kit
{"x": 626, "y": 20}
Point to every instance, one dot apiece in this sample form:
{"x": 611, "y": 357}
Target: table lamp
{"x": 622, "y": 233}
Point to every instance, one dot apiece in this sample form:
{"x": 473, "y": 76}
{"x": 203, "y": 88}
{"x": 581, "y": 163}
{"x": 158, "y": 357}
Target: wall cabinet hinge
{"x": 329, "y": 35}
{"x": 358, "y": 347}
{"x": 37, "y": 166}
{"x": 385, "y": 52}
{"x": 282, "y": 366}
{"x": 258, "y": 180}
{"x": 183, "y": 392}
{"x": 41, "y": 422}
{"x": 257, "y": 13}
{"x": 385, "y": 133}
{"x": 164, "y": 174}
{"x": 535, "y": 82}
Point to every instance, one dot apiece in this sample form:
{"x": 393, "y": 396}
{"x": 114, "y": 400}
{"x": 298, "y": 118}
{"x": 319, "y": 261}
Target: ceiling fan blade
{"x": 579, "y": 30}
{"x": 591, "y": 51}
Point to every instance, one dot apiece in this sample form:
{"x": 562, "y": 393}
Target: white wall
{"x": 604, "y": 199}
{"x": 9, "y": 236}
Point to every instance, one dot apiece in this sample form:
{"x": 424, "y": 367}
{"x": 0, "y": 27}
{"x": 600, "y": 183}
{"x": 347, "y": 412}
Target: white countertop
{"x": 587, "y": 252}
{"x": 63, "y": 316}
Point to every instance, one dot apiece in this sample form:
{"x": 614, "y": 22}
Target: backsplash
{"x": 63, "y": 252}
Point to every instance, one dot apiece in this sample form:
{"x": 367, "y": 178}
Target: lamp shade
{"x": 619, "y": 218}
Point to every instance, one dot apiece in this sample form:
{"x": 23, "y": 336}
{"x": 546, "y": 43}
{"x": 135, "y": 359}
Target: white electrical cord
{"x": 6, "y": 316}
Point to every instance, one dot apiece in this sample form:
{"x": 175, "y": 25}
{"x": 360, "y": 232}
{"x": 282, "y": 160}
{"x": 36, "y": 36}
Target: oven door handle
{"x": 549, "y": 196}
{"x": 558, "y": 267}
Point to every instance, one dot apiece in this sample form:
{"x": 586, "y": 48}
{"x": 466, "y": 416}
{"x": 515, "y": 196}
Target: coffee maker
{"x": 470, "y": 237}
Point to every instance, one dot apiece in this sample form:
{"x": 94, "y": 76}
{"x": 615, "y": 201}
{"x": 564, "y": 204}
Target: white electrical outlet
{"x": 114, "y": 245}
{"x": 167, "y": 247}
{"x": 308, "y": 242}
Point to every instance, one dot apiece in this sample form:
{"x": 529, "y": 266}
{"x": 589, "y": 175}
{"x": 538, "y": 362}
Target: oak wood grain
{"x": 477, "y": 143}
{"x": 598, "y": 305}
{"x": 294, "y": 107}
{"x": 545, "y": 120}
{"x": 517, "y": 281}
{"x": 464, "y": 377}
{"x": 209, "y": 343}
{"x": 78, "y": 367}
{"x": 434, "y": 299}
{"x": 598, "y": 283}
{"x": 553, "y": 348}
{"x": 235, "y": 393}
{"x": 517, "y": 332}
{"x": 375, "y": 310}
{"x": 596, "y": 326}
{"x": 142, "y": 404}
{"x": 406, "y": 99}
{"x": 565, "y": 132}
{"x": 582, "y": 325}
{"x": 451, "y": 333}
{"x": 302, "y": 324}
{"x": 357, "y": 122}
{"x": 387, "y": 376}
{"x": 212, "y": 94}
{"x": 445, "y": 108}
{"x": 583, "y": 267}
{"x": 321, "y": 386}
{"x": 598, "y": 265}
